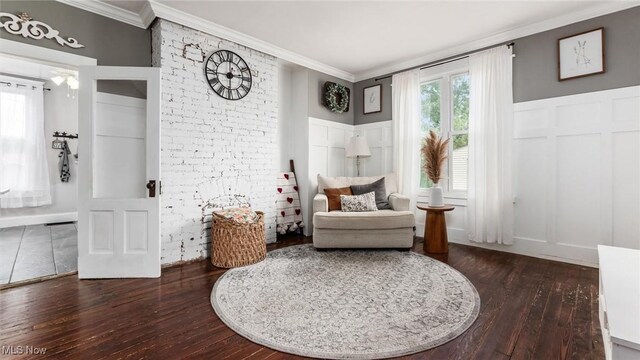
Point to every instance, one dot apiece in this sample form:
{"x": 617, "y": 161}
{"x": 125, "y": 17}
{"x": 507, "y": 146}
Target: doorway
{"x": 115, "y": 218}
{"x": 38, "y": 171}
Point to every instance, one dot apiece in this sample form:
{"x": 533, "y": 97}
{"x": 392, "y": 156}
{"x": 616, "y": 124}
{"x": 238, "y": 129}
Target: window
{"x": 24, "y": 174}
{"x": 445, "y": 110}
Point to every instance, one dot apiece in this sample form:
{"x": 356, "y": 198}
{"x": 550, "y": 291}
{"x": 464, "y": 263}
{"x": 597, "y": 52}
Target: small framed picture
{"x": 581, "y": 54}
{"x": 372, "y": 99}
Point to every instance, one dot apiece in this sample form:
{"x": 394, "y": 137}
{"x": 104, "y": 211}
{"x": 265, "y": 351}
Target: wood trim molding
{"x": 552, "y": 23}
{"x": 108, "y": 10}
{"x": 153, "y": 9}
{"x": 168, "y": 13}
{"x": 42, "y": 54}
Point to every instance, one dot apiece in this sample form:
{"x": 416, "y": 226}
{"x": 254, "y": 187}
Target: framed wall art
{"x": 581, "y": 54}
{"x": 372, "y": 99}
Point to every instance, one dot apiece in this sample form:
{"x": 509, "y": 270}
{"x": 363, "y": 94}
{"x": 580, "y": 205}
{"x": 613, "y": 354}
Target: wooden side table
{"x": 435, "y": 229}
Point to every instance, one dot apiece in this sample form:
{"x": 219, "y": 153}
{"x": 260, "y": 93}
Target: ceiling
{"x": 367, "y": 37}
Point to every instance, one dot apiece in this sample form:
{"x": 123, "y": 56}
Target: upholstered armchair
{"x": 390, "y": 228}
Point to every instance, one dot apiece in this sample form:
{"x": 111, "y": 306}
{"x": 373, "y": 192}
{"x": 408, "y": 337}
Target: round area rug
{"x": 354, "y": 304}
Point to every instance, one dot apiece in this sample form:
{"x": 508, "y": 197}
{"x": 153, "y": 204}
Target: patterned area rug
{"x": 354, "y": 304}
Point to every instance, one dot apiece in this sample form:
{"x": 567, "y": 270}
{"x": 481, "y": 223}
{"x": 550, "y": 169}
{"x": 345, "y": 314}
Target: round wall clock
{"x": 228, "y": 75}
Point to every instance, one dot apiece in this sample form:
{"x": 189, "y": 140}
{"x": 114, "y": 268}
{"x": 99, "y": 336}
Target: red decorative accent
{"x": 286, "y": 176}
{"x": 290, "y": 200}
{"x": 295, "y": 188}
{"x": 282, "y": 213}
{"x": 297, "y": 211}
{"x": 280, "y": 190}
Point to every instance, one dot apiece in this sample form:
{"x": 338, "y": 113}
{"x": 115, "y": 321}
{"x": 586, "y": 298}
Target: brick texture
{"x": 211, "y": 147}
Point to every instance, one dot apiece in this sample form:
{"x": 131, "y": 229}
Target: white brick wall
{"x": 210, "y": 146}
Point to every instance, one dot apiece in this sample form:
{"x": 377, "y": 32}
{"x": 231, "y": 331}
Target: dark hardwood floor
{"x": 531, "y": 309}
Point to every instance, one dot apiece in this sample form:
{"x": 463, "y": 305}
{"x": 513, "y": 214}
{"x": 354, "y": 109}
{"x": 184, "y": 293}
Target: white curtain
{"x": 490, "y": 199}
{"x": 406, "y": 132}
{"x": 24, "y": 174}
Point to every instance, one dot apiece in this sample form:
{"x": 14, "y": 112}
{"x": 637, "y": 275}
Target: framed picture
{"x": 581, "y": 54}
{"x": 372, "y": 99}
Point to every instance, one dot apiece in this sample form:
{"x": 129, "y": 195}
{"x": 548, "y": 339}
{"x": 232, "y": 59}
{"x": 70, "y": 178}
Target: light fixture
{"x": 72, "y": 82}
{"x": 58, "y": 80}
{"x": 358, "y": 148}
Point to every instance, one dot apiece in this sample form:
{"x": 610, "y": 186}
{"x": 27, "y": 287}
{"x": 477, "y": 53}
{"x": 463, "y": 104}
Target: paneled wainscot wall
{"x": 327, "y": 153}
{"x": 576, "y": 177}
{"x": 211, "y": 147}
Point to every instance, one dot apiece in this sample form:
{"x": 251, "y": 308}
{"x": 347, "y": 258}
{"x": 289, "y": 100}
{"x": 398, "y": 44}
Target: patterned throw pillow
{"x": 357, "y": 203}
{"x": 239, "y": 215}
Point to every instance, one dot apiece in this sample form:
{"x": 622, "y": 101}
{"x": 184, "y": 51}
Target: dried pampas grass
{"x": 434, "y": 153}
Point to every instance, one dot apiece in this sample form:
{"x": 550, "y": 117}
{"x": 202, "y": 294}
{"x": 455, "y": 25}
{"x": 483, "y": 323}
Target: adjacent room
{"x": 320, "y": 179}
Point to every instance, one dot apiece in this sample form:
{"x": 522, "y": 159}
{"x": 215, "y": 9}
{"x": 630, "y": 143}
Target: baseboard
{"x": 12, "y": 221}
{"x": 577, "y": 255}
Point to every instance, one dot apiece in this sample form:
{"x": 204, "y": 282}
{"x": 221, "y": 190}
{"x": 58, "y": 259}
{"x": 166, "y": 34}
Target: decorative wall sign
{"x": 23, "y": 25}
{"x": 581, "y": 54}
{"x": 372, "y": 96}
{"x": 336, "y": 97}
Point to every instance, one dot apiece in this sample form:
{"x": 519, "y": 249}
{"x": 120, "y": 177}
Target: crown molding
{"x": 146, "y": 14}
{"x": 168, "y": 13}
{"x": 152, "y": 9}
{"x": 502, "y": 37}
{"x": 107, "y": 10}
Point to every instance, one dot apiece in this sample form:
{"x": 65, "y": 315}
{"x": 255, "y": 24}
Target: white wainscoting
{"x": 379, "y": 135}
{"x": 327, "y": 146}
{"x": 576, "y": 177}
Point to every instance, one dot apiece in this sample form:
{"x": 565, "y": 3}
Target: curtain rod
{"x": 18, "y": 85}
{"x": 437, "y": 63}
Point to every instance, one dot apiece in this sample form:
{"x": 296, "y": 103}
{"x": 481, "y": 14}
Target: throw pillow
{"x": 378, "y": 187}
{"x": 334, "y": 197}
{"x": 358, "y": 203}
{"x": 238, "y": 215}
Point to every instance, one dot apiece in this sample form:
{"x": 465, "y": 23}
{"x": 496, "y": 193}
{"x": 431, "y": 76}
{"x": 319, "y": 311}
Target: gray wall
{"x": 385, "y": 114}
{"x": 316, "y": 109}
{"x": 109, "y": 41}
{"x": 535, "y": 73}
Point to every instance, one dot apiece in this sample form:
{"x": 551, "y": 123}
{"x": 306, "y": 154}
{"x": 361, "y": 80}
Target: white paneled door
{"x": 119, "y": 172}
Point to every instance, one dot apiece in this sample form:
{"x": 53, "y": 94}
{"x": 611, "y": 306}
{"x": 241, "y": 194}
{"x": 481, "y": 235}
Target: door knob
{"x": 151, "y": 185}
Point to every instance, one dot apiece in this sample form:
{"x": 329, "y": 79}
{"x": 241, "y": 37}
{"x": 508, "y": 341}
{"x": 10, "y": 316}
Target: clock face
{"x": 228, "y": 75}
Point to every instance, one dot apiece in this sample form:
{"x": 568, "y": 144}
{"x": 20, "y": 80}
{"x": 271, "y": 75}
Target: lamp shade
{"x": 358, "y": 146}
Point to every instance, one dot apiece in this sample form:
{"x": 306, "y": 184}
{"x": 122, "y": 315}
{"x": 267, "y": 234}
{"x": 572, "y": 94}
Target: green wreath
{"x": 336, "y": 97}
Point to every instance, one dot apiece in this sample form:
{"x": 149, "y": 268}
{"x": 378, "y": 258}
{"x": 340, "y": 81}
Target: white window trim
{"x": 444, "y": 73}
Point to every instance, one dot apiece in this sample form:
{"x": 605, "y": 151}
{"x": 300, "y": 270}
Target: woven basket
{"x": 234, "y": 244}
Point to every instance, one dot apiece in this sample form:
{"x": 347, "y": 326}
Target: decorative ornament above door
{"x": 228, "y": 75}
{"x": 22, "y": 24}
{"x": 336, "y": 97}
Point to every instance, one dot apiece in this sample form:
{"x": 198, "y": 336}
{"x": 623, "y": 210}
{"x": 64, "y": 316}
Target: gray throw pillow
{"x": 378, "y": 187}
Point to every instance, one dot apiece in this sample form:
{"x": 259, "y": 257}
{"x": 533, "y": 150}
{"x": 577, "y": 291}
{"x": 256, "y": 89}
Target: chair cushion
{"x": 333, "y": 196}
{"x": 378, "y": 188}
{"x": 238, "y": 215}
{"x": 382, "y": 219}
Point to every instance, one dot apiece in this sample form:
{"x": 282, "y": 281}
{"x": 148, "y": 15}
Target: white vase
{"x": 436, "y": 199}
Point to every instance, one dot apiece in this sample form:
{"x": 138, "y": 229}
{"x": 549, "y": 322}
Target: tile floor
{"x": 29, "y": 252}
